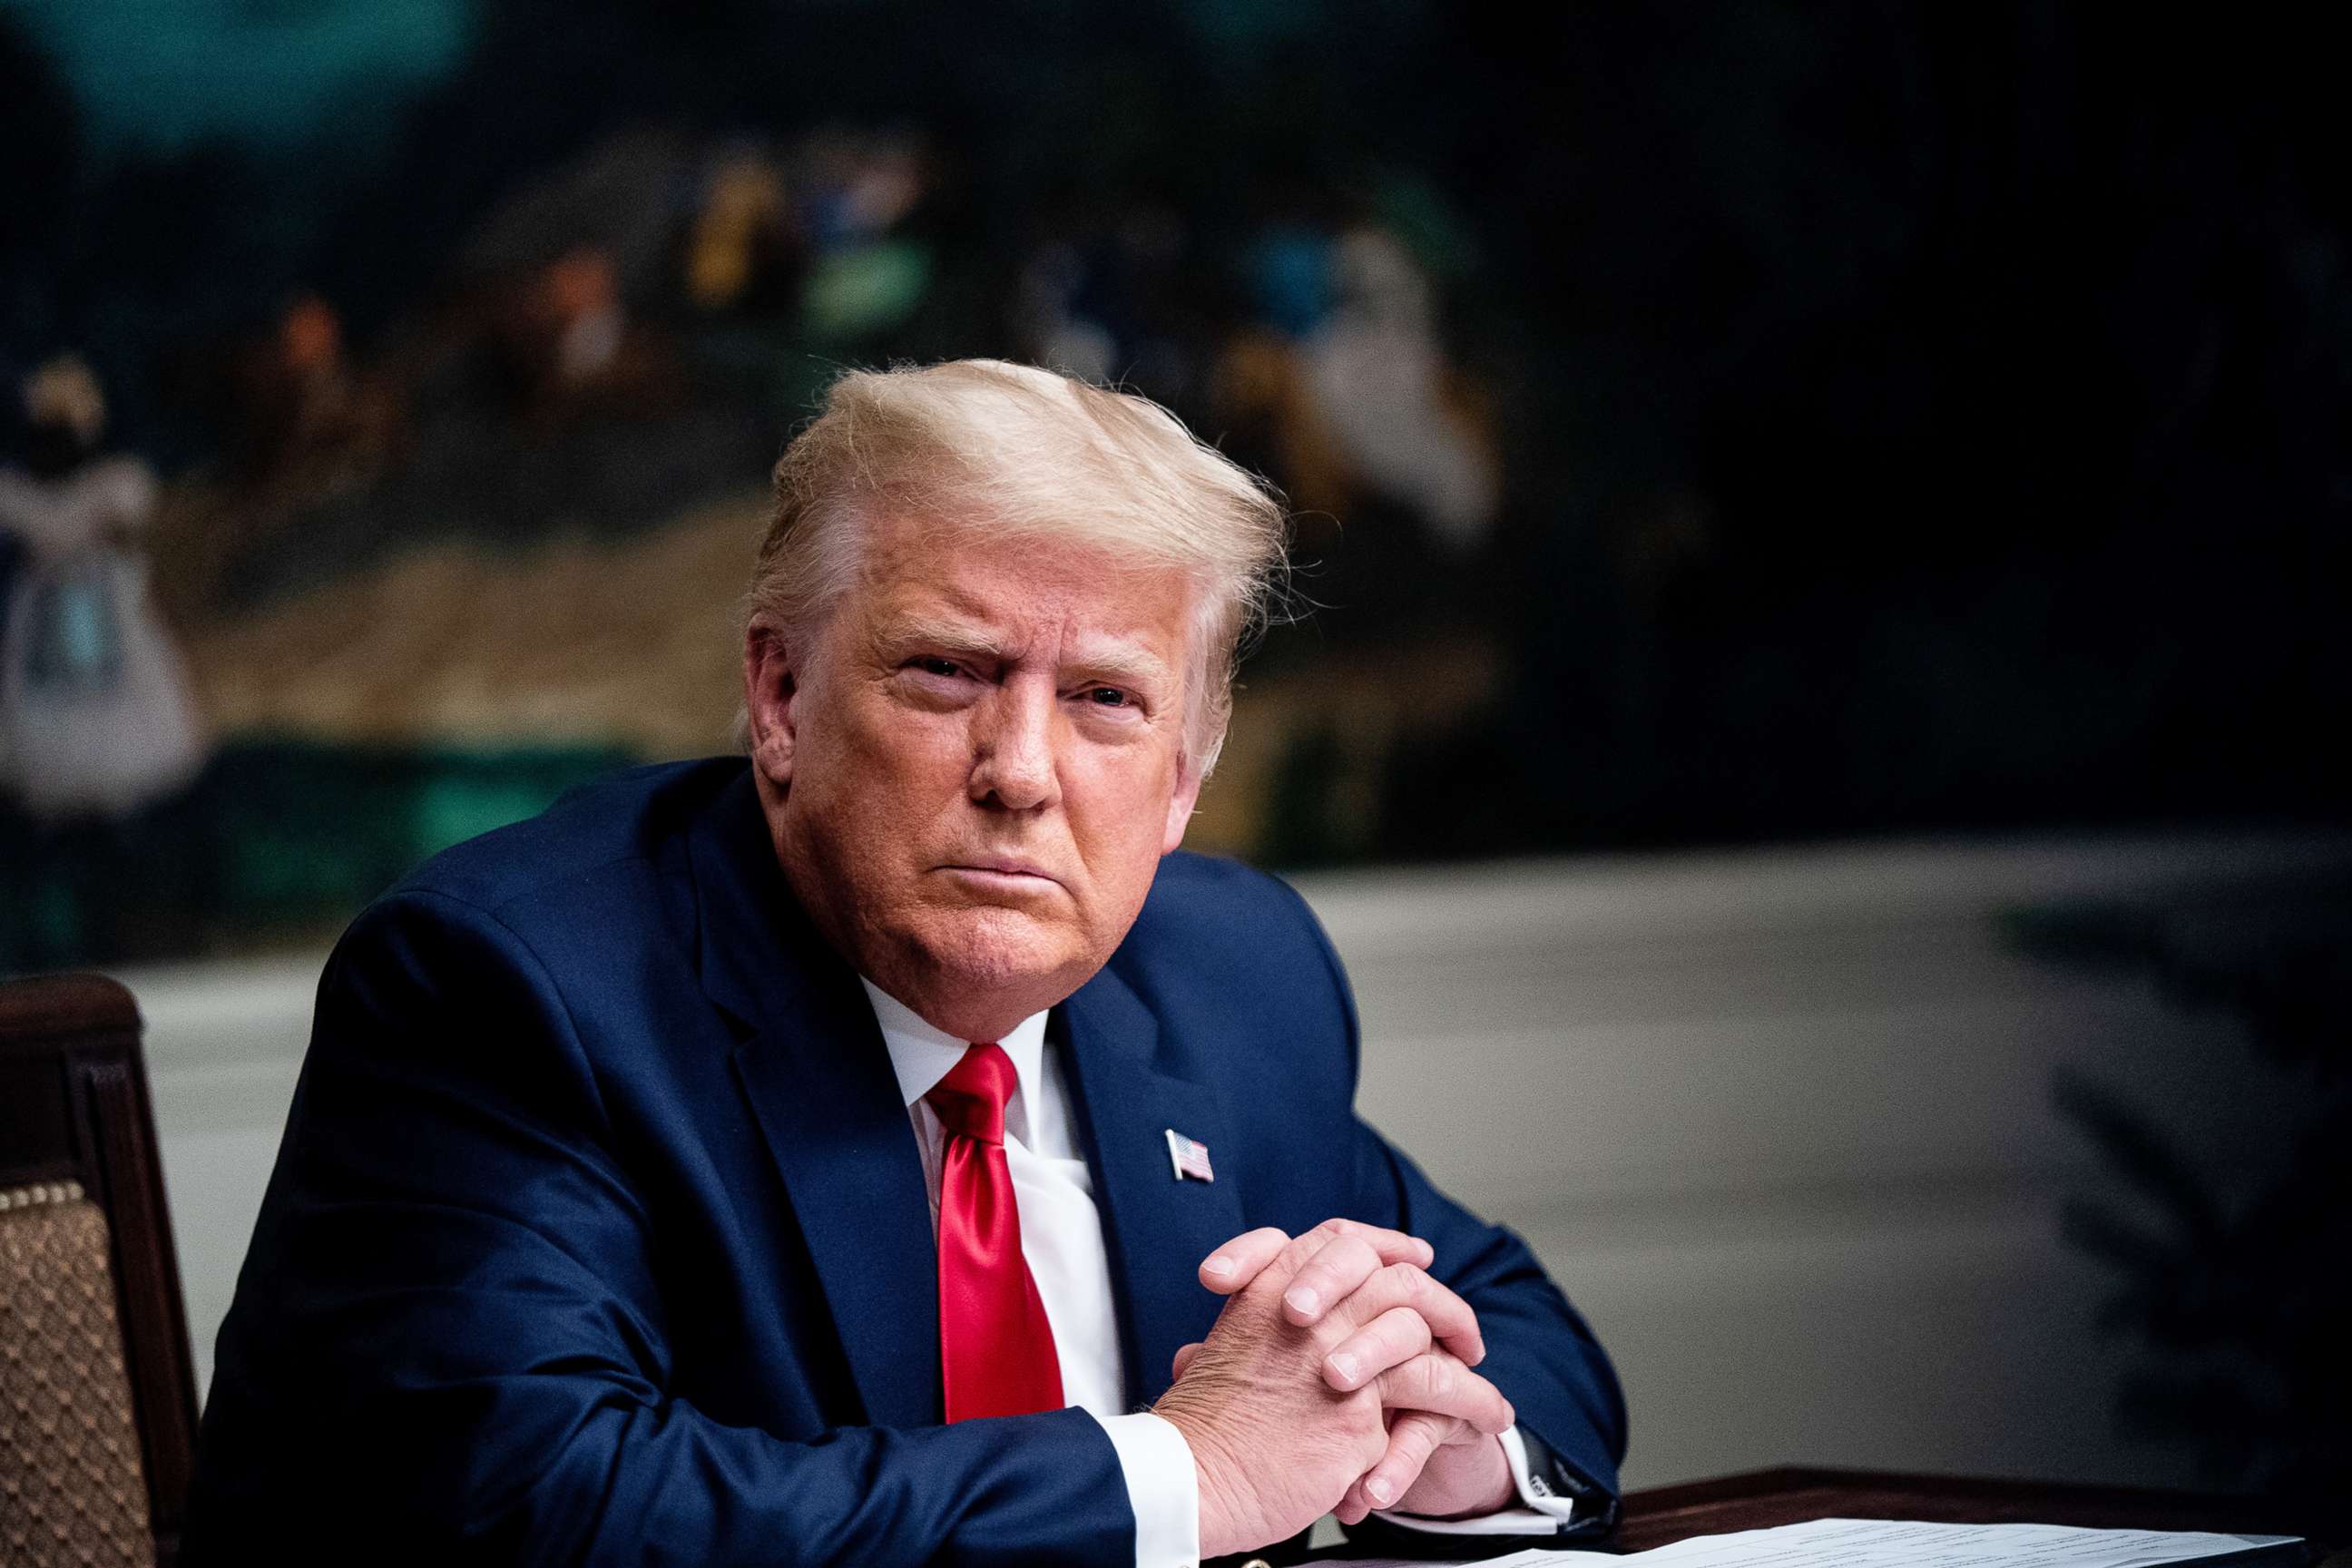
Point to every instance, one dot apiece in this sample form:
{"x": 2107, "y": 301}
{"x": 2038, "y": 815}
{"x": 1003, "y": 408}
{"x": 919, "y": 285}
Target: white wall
{"x": 224, "y": 1043}
{"x": 1780, "y": 1121}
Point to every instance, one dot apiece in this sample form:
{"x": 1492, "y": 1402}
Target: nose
{"x": 1013, "y": 747}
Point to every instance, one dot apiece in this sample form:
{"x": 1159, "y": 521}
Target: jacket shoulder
{"x": 1212, "y": 897}
{"x": 1216, "y": 927}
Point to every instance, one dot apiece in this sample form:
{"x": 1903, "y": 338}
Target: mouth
{"x": 1004, "y": 872}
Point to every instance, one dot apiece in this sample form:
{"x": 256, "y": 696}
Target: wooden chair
{"x": 98, "y": 1403}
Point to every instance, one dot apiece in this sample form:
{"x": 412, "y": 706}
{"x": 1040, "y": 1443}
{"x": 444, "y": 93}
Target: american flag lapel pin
{"x": 1189, "y": 1157}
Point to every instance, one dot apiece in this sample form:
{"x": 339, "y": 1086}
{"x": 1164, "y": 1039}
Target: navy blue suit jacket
{"x": 599, "y": 1234}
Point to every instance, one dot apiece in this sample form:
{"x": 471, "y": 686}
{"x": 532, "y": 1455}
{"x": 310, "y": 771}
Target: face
{"x": 972, "y": 771}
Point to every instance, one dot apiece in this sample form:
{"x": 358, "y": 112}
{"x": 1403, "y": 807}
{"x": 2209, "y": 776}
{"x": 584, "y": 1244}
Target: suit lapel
{"x": 1156, "y": 1229}
{"x": 812, "y": 1063}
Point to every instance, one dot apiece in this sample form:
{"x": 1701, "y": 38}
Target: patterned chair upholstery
{"x": 72, "y": 1488}
{"x": 96, "y": 1401}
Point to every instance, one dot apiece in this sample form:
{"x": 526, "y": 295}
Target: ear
{"x": 1180, "y": 806}
{"x": 771, "y": 684}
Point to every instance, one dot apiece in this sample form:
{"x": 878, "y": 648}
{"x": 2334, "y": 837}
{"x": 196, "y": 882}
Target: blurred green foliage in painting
{"x": 274, "y": 844}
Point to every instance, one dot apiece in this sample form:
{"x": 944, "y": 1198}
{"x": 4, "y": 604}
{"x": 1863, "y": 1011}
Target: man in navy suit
{"x": 890, "y": 1149}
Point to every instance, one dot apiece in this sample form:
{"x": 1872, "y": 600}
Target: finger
{"x": 1393, "y": 1246}
{"x": 1449, "y": 1317}
{"x": 1411, "y": 1441}
{"x": 1391, "y": 1340}
{"x": 1241, "y": 1260}
{"x": 1438, "y": 1384}
{"x": 1344, "y": 1263}
{"x": 1353, "y": 1505}
{"x": 1184, "y": 1355}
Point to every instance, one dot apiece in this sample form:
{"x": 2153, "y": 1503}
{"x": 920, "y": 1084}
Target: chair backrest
{"x": 98, "y": 1405}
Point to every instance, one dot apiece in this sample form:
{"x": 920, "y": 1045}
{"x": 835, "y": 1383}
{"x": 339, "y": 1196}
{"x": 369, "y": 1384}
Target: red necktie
{"x": 996, "y": 1349}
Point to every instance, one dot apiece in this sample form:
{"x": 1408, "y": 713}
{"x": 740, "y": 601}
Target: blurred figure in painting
{"x": 96, "y": 717}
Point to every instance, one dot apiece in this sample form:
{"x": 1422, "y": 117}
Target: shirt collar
{"x": 922, "y": 1054}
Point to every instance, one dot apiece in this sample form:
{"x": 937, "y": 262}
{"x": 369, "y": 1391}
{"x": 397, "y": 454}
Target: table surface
{"x": 1663, "y": 1515}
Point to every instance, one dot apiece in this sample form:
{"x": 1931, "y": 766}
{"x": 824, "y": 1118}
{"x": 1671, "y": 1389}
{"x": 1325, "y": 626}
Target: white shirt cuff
{"x": 1541, "y": 1511}
{"x": 1162, "y": 1488}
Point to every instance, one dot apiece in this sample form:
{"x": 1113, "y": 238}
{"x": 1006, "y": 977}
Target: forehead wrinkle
{"x": 949, "y": 633}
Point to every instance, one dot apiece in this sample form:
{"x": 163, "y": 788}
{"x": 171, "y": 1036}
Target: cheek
{"x": 868, "y": 782}
{"x": 1119, "y": 814}
{"x": 890, "y": 747}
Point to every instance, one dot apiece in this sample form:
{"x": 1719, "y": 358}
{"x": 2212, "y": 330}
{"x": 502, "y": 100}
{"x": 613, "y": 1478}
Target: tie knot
{"x": 970, "y": 1099}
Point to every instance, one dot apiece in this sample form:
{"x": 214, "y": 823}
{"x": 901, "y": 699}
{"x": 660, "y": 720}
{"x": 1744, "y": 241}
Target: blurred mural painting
{"x": 1733, "y": 425}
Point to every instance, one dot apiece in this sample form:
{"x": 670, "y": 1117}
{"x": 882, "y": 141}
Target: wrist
{"x": 1465, "y": 1482}
{"x": 1218, "y": 1536}
{"x": 1503, "y": 1491}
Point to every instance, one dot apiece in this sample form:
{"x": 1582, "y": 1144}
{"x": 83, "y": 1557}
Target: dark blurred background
{"x": 1801, "y": 421}
{"x": 1722, "y": 425}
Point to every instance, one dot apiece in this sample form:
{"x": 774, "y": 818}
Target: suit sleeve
{"x": 1539, "y": 1350}
{"x": 448, "y": 1344}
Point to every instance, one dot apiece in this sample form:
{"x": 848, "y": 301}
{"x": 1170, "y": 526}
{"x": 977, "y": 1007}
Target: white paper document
{"x": 1882, "y": 1543}
{"x": 1840, "y": 1543}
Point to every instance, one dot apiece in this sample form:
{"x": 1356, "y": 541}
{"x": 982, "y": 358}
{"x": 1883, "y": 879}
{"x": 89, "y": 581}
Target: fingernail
{"x": 1379, "y": 1490}
{"x": 1302, "y": 1299}
{"x": 1220, "y": 1264}
{"x": 1348, "y": 1367}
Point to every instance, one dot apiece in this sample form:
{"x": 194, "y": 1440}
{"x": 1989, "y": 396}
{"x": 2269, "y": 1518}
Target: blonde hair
{"x": 1008, "y": 451}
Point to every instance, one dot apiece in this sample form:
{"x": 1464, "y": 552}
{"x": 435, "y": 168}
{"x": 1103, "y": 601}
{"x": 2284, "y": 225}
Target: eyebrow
{"x": 1115, "y": 659}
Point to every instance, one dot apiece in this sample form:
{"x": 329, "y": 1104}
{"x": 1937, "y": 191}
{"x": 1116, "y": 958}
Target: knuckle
{"x": 1439, "y": 1305}
{"x": 1298, "y": 1249}
{"x": 1316, "y": 1271}
{"x": 1263, "y": 1294}
{"x": 1303, "y": 1247}
{"x": 1413, "y": 1441}
{"x": 1405, "y": 1282}
{"x": 1381, "y": 1342}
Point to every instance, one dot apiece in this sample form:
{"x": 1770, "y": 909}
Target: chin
{"x": 1007, "y": 953}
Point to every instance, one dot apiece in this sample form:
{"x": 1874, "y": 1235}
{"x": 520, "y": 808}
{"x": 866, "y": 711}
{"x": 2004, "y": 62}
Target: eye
{"x": 929, "y": 664}
{"x": 1109, "y": 697}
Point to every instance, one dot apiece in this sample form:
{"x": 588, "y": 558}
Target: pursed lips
{"x": 995, "y": 866}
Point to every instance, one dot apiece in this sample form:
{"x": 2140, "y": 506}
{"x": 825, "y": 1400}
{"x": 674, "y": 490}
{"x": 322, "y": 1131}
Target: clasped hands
{"x": 1336, "y": 1379}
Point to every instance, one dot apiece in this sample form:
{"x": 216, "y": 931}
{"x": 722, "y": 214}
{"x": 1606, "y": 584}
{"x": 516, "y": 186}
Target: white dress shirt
{"x": 1062, "y": 1241}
